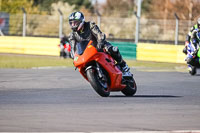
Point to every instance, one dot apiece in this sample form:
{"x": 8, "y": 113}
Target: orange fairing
{"x": 88, "y": 53}
{"x": 114, "y": 73}
{"x": 91, "y": 54}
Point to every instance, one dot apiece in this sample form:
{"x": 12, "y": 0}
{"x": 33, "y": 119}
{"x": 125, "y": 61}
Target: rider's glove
{"x": 100, "y": 46}
{"x": 186, "y": 43}
{"x": 194, "y": 54}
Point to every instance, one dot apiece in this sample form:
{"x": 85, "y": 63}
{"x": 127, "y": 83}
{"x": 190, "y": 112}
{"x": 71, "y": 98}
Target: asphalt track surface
{"x": 60, "y": 100}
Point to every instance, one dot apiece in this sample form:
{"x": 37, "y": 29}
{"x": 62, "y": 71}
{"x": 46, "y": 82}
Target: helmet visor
{"x": 74, "y": 23}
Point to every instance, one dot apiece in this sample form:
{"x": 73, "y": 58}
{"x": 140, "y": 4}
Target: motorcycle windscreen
{"x": 81, "y": 46}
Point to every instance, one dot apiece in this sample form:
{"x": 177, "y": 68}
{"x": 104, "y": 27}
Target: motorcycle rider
{"x": 86, "y": 31}
{"x": 188, "y": 37}
{"x": 193, "y": 50}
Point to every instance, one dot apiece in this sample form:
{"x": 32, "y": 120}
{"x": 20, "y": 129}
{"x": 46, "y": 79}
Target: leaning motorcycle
{"x": 101, "y": 71}
{"x": 193, "y": 55}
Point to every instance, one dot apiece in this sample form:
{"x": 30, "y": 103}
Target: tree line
{"x": 155, "y": 9}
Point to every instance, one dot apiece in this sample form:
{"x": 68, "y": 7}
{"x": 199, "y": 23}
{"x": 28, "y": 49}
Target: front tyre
{"x": 130, "y": 88}
{"x": 98, "y": 84}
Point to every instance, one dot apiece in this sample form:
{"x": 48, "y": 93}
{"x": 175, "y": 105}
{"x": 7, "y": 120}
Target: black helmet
{"x": 76, "y": 20}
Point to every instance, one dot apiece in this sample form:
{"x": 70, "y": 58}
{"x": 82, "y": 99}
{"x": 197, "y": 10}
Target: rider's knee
{"x": 112, "y": 50}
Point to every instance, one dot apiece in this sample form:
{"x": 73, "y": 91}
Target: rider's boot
{"x": 114, "y": 52}
{"x": 189, "y": 68}
{"x": 125, "y": 68}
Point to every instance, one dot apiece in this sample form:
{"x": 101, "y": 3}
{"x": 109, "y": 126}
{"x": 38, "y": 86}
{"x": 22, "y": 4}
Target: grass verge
{"x": 30, "y": 61}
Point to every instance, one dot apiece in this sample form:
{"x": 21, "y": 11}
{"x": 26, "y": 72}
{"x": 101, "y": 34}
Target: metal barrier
{"x": 29, "y": 45}
{"x": 49, "y": 46}
{"x": 160, "y": 53}
{"x": 113, "y": 27}
{"x": 127, "y": 49}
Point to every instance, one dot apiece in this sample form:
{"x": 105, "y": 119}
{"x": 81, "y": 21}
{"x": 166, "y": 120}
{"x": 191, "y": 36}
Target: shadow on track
{"x": 147, "y": 96}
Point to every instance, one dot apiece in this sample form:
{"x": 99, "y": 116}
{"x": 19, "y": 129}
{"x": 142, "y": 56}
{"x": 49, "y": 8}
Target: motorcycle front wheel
{"x": 97, "y": 83}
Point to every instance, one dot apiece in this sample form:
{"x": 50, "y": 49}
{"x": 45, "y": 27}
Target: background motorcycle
{"x": 65, "y": 50}
{"x": 193, "y": 55}
{"x": 100, "y": 69}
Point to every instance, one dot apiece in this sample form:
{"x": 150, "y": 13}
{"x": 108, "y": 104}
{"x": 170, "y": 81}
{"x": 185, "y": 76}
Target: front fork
{"x": 100, "y": 72}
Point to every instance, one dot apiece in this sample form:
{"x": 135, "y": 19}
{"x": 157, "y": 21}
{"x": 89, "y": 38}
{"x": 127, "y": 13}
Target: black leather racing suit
{"x": 92, "y": 32}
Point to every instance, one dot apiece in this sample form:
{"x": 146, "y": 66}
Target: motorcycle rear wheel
{"x": 193, "y": 70}
{"x": 130, "y": 88}
{"x": 98, "y": 85}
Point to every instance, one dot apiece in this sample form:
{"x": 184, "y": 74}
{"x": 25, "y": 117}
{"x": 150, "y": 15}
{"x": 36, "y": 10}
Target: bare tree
{"x": 120, "y": 8}
{"x": 165, "y": 9}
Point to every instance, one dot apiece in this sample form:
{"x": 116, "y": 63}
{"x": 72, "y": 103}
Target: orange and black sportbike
{"x": 100, "y": 69}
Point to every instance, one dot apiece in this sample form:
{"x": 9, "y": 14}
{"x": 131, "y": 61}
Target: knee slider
{"x": 113, "y": 50}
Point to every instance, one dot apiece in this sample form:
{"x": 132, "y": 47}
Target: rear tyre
{"x": 130, "y": 88}
{"x": 193, "y": 70}
{"x": 98, "y": 84}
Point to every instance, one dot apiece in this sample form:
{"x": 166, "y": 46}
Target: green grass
{"x": 30, "y": 61}
{"x": 150, "y": 64}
